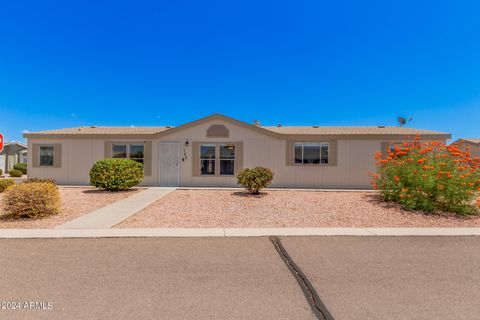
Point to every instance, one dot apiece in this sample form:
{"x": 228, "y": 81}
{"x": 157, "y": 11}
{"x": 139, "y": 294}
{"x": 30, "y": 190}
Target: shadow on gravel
{"x": 377, "y": 199}
{"x": 132, "y": 191}
{"x": 245, "y": 194}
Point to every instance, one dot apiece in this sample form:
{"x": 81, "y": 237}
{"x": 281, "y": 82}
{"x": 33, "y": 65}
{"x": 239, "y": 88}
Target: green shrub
{"x": 4, "y": 183}
{"x": 21, "y": 166}
{"x": 32, "y": 200}
{"x": 45, "y": 180}
{"x": 430, "y": 177}
{"x": 15, "y": 173}
{"x": 255, "y": 179}
{"x": 1, "y": 172}
{"x": 116, "y": 174}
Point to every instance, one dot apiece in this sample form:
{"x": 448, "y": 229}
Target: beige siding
{"x": 355, "y": 159}
{"x": 78, "y": 156}
{"x": 474, "y": 149}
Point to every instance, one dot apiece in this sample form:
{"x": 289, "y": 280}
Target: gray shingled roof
{"x": 303, "y": 130}
{"x": 472, "y": 140}
{"x": 104, "y": 130}
{"x": 349, "y": 130}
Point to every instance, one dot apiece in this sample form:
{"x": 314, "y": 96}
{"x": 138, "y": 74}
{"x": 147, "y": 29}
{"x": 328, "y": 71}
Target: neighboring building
{"x": 472, "y": 145}
{"x": 212, "y": 150}
{"x": 13, "y": 152}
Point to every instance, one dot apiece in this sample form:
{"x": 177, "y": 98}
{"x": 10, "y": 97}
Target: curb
{"x": 231, "y": 232}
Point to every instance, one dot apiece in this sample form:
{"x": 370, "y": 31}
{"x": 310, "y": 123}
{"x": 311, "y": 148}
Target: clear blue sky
{"x": 69, "y": 63}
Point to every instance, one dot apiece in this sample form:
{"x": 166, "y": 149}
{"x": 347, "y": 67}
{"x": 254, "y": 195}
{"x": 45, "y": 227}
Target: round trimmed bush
{"x": 15, "y": 173}
{"x": 5, "y": 183}
{"x": 32, "y": 200}
{"x": 116, "y": 174}
{"x": 255, "y": 179}
{"x": 21, "y": 166}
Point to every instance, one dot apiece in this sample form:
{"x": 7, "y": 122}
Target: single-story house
{"x": 470, "y": 144}
{"x": 212, "y": 150}
{"x": 13, "y": 152}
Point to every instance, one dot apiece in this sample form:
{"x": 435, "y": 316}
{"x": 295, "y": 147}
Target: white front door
{"x": 169, "y": 164}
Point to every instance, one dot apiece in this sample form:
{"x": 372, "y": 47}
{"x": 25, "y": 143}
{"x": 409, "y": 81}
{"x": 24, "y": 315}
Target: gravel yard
{"x": 280, "y": 208}
{"x": 75, "y": 203}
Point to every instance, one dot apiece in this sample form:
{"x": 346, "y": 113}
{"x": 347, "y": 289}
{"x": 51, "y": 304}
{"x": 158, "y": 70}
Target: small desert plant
{"x": 4, "y": 183}
{"x": 429, "y": 176}
{"x": 21, "y": 166}
{"x": 255, "y": 179}
{"x": 32, "y": 200}
{"x": 116, "y": 174}
{"x": 15, "y": 173}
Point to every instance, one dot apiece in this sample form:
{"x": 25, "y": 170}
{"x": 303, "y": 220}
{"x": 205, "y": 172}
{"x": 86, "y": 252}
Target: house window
{"x": 207, "y": 159}
{"x": 227, "y": 159}
{"x": 119, "y": 151}
{"x": 46, "y": 156}
{"x": 311, "y": 153}
{"x": 396, "y": 146}
{"x": 129, "y": 151}
{"x": 136, "y": 152}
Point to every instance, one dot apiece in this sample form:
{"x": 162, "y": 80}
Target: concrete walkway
{"x": 232, "y": 232}
{"x": 116, "y": 212}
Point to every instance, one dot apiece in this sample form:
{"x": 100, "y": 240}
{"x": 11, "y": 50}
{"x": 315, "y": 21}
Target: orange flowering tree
{"x": 429, "y": 176}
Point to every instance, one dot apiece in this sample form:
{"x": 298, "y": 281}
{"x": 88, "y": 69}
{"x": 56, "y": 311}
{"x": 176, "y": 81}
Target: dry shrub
{"x": 32, "y": 200}
{"x": 5, "y": 183}
{"x": 46, "y": 180}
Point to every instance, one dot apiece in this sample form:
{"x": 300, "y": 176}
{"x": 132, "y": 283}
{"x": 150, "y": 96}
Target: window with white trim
{"x": 46, "y": 156}
{"x": 133, "y": 151}
{"x": 311, "y": 152}
{"x": 217, "y": 159}
{"x": 227, "y": 159}
{"x": 207, "y": 159}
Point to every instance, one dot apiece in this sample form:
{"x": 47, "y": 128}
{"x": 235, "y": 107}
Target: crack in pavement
{"x": 313, "y": 299}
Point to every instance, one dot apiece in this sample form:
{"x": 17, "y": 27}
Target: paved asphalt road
{"x": 242, "y": 278}
{"x": 393, "y": 277}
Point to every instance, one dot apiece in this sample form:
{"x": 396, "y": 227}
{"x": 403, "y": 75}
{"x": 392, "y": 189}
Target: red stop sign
{"x": 1, "y": 142}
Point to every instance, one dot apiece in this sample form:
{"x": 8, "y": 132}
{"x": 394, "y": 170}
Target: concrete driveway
{"x": 241, "y": 278}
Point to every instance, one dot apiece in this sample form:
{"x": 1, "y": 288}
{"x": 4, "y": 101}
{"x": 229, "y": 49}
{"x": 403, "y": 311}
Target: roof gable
{"x": 218, "y": 116}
